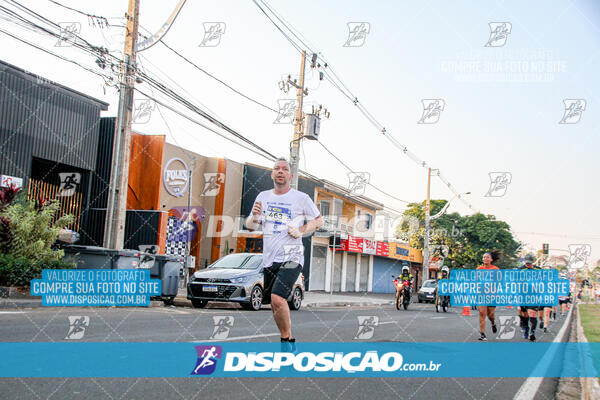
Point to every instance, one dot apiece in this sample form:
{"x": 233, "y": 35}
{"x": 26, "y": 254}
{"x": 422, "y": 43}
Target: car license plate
{"x": 209, "y": 288}
{"x": 429, "y": 295}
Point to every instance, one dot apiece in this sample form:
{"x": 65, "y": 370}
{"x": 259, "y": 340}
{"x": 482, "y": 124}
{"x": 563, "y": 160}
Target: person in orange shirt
{"x": 490, "y": 311}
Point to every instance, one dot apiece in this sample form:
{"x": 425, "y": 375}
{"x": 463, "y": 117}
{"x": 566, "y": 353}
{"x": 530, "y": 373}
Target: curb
{"x": 20, "y": 303}
{"x": 184, "y": 302}
{"x": 590, "y": 389}
{"x": 345, "y": 304}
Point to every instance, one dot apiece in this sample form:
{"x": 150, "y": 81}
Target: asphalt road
{"x": 419, "y": 324}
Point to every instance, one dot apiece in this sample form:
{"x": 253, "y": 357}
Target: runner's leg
{"x": 281, "y": 314}
{"x": 284, "y": 282}
{"x": 491, "y": 314}
{"x": 482, "y": 314}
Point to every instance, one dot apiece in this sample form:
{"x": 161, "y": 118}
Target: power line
{"x": 368, "y": 183}
{"x": 173, "y": 95}
{"x": 54, "y": 54}
{"x": 91, "y": 16}
{"x": 86, "y": 46}
{"x": 215, "y": 78}
{"x": 161, "y": 87}
{"x": 340, "y": 86}
{"x": 265, "y": 153}
{"x": 298, "y": 48}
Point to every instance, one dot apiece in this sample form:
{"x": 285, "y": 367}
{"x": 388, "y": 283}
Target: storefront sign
{"x": 369, "y": 246}
{"x": 383, "y": 249}
{"x": 176, "y": 177}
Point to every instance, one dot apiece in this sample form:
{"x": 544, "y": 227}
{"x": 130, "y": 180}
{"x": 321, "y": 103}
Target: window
{"x": 363, "y": 222}
{"x": 337, "y": 212}
{"x": 324, "y": 208}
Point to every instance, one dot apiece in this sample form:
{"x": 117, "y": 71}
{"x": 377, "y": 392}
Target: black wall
{"x": 42, "y": 119}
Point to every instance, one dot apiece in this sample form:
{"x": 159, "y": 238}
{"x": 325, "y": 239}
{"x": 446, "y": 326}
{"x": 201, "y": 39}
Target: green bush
{"x": 19, "y": 271}
{"x": 33, "y": 229}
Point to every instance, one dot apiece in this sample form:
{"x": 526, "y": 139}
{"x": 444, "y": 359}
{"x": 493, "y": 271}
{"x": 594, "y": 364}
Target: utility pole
{"x": 426, "y": 234}
{"x": 114, "y": 228}
{"x": 188, "y": 241}
{"x": 295, "y": 145}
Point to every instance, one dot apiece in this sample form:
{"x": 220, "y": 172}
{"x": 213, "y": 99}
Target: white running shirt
{"x": 279, "y": 211}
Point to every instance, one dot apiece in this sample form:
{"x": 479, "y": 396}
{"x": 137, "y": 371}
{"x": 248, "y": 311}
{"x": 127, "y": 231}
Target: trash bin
{"x": 167, "y": 268}
{"x": 94, "y": 257}
{"x": 127, "y": 259}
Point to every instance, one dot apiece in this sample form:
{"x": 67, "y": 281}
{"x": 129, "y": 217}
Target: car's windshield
{"x": 238, "y": 261}
{"x": 429, "y": 284}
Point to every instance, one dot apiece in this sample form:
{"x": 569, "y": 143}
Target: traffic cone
{"x": 508, "y": 306}
{"x": 466, "y": 311}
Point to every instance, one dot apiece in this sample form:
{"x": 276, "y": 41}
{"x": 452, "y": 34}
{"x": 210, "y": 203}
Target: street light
{"x": 427, "y": 227}
{"x": 443, "y": 210}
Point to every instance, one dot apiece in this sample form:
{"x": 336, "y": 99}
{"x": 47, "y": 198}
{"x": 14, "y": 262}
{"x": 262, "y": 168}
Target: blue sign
{"x": 508, "y": 287}
{"x": 366, "y": 359}
{"x": 95, "y": 287}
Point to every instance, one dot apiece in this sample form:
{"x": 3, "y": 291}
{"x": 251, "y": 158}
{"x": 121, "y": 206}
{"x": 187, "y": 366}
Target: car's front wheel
{"x": 296, "y": 301}
{"x": 256, "y": 297}
{"x": 199, "y": 303}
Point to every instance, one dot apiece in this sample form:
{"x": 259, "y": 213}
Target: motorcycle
{"x": 441, "y": 301}
{"x": 402, "y": 297}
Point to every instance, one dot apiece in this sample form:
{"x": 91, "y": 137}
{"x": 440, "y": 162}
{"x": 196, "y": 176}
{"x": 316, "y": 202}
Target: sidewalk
{"x": 324, "y": 299}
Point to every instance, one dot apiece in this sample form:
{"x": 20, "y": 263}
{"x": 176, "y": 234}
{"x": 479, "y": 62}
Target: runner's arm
{"x": 311, "y": 225}
{"x": 253, "y": 220}
{"x": 252, "y": 223}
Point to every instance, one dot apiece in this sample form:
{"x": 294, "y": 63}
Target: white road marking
{"x": 12, "y": 312}
{"x": 531, "y": 385}
{"x": 236, "y": 338}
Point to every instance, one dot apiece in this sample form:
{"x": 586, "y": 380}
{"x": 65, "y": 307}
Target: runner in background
{"x": 488, "y": 310}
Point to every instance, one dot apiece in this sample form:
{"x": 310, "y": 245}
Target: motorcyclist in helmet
{"x": 445, "y": 272}
{"x": 406, "y": 276}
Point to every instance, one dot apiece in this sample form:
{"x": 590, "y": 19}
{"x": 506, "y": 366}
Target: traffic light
{"x": 545, "y": 248}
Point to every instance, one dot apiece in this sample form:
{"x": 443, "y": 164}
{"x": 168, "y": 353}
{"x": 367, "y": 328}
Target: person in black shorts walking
{"x": 282, "y": 212}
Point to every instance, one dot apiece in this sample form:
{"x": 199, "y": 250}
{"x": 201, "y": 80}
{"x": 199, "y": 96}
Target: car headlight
{"x": 240, "y": 280}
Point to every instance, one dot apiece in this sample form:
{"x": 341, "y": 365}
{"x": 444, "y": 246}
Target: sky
{"x": 502, "y": 103}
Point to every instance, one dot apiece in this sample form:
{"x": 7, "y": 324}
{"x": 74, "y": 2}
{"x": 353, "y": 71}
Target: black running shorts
{"x": 534, "y": 308}
{"x": 280, "y": 278}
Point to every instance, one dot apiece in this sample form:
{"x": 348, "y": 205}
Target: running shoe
{"x": 288, "y": 345}
{"x": 526, "y": 333}
{"x": 545, "y": 330}
{"x": 532, "y": 337}
{"x": 482, "y": 337}
{"x": 494, "y": 329}
{"x": 541, "y": 324}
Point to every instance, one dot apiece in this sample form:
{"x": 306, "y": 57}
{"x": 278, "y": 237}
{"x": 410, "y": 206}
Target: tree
{"x": 467, "y": 237}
